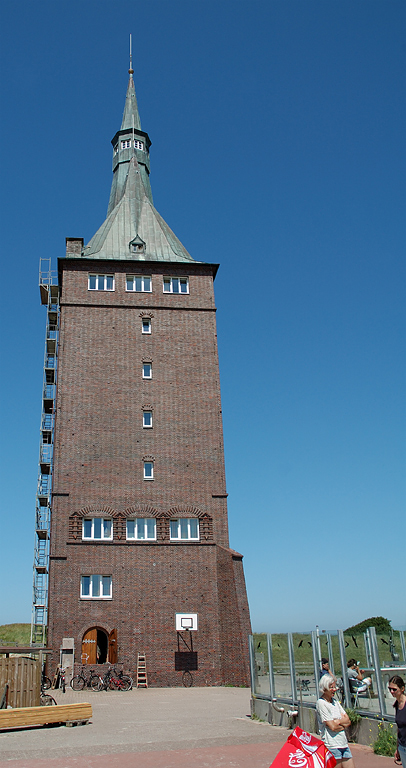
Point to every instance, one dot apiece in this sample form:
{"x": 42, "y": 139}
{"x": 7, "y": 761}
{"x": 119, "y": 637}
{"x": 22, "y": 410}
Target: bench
{"x": 25, "y": 717}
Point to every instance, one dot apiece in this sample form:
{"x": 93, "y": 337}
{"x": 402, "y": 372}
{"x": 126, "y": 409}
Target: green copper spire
{"x": 133, "y": 228}
{"x": 131, "y": 115}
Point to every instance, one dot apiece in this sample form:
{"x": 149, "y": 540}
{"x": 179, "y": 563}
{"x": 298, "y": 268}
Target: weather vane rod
{"x": 131, "y": 71}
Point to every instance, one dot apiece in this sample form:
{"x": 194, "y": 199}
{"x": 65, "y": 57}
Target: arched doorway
{"x": 99, "y": 647}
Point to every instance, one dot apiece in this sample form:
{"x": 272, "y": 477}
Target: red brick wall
{"x": 100, "y": 446}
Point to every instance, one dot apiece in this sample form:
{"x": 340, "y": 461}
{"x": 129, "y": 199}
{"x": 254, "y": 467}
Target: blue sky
{"x": 278, "y": 133}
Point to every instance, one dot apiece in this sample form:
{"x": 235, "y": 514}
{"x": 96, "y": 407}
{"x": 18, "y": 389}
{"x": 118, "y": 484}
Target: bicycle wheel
{"x": 127, "y": 682}
{"x": 96, "y": 683}
{"x": 77, "y": 683}
{"x": 187, "y": 679}
{"x": 96, "y": 679}
{"x": 47, "y": 701}
{"x": 46, "y": 683}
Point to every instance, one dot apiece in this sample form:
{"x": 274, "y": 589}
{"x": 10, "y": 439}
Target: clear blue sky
{"x": 278, "y": 132}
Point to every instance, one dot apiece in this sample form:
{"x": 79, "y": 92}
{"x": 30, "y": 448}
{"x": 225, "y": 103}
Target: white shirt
{"x": 330, "y": 711}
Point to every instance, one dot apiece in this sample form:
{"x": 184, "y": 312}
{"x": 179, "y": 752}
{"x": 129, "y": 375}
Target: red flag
{"x": 302, "y": 750}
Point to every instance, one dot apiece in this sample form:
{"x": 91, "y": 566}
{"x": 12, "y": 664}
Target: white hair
{"x": 325, "y": 683}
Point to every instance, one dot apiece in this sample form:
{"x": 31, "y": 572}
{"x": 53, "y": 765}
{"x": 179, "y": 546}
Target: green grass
{"x": 15, "y": 633}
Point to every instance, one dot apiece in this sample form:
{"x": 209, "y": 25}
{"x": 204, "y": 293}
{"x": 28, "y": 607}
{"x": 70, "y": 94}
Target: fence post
{"x": 402, "y": 645}
{"x": 343, "y": 660}
{"x": 330, "y": 653}
{"x": 252, "y": 662}
{"x": 377, "y": 667}
{"x": 316, "y": 664}
{"x": 292, "y": 668}
{"x": 270, "y": 667}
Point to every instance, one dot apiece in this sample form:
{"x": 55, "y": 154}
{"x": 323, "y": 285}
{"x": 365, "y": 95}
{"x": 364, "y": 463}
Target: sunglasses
{"x": 392, "y": 689}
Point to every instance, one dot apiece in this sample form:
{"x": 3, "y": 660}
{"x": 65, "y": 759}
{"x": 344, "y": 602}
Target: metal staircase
{"x": 49, "y": 291}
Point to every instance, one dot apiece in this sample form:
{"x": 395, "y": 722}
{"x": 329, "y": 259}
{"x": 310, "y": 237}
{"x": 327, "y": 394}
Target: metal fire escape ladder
{"x": 49, "y": 292}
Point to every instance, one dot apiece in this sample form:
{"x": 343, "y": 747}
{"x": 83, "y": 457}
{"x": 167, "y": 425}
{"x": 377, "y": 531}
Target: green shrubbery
{"x": 387, "y": 740}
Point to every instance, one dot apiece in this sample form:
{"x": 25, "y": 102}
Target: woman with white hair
{"x": 333, "y": 720}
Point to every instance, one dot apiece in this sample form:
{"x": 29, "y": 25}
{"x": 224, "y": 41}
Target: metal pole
{"x": 252, "y": 662}
{"x": 292, "y": 668}
{"x": 270, "y": 667}
{"x": 343, "y": 660}
{"x": 377, "y": 667}
{"x": 402, "y": 645}
{"x": 316, "y": 664}
{"x": 367, "y": 643}
{"x": 318, "y": 644}
{"x": 330, "y": 653}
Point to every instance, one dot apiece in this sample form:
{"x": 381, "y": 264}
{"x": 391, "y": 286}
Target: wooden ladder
{"x": 142, "y": 680}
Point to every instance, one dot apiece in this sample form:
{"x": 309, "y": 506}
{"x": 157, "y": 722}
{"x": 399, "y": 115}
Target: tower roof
{"x": 133, "y": 228}
{"x": 131, "y": 108}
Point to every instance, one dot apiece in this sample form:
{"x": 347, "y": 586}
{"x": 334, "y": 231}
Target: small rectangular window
{"x": 148, "y": 470}
{"x": 184, "y": 528}
{"x": 126, "y": 144}
{"x": 138, "y": 144}
{"x": 142, "y": 529}
{"x": 101, "y": 283}
{"x": 147, "y": 370}
{"x": 146, "y": 325}
{"x": 139, "y": 283}
{"x": 147, "y": 419}
{"x": 96, "y": 587}
{"x": 176, "y": 285}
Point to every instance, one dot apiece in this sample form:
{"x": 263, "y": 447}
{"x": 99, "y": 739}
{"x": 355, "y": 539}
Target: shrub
{"x": 387, "y": 740}
{"x": 354, "y": 716}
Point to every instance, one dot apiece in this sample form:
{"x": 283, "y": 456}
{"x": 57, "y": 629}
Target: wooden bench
{"x": 25, "y": 717}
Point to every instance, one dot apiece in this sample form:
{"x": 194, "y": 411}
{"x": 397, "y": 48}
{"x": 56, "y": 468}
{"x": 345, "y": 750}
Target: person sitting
{"x": 325, "y": 668}
{"x": 355, "y": 677}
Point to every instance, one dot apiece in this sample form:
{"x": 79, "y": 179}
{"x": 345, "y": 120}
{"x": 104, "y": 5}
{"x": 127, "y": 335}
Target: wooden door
{"x": 113, "y": 652}
{"x": 89, "y": 646}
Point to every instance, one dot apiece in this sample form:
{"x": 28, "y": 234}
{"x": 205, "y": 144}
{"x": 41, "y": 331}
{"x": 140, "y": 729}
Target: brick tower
{"x": 139, "y": 534}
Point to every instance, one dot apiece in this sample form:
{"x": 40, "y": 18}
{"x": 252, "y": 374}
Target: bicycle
{"x": 45, "y": 681}
{"x": 83, "y": 679}
{"x": 61, "y": 679}
{"x": 114, "y": 682}
{"x": 46, "y": 700}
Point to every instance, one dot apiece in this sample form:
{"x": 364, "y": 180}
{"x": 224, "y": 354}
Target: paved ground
{"x": 158, "y": 728}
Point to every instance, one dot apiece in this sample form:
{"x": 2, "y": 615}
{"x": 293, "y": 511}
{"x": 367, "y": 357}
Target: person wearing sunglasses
{"x": 397, "y": 689}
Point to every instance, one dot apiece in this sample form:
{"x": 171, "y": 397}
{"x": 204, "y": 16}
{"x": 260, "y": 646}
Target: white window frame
{"x": 140, "y": 522}
{"x": 175, "y": 282}
{"x": 179, "y": 521}
{"x": 144, "y": 376}
{"x": 143, "y": 278}
{"x": 100, "y": 282}
{"x": 146, "y": 325}
{"x": 147, "y": 464}
{"x": 146, "y": 426}
{"x": 92, "y": 580}
{"x": 92, "y": 537}
{"x": 125, "y": 143}
{"x": 138, "y": 144}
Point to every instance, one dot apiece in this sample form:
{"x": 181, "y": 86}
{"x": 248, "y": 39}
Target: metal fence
{"x": 287, "y": 667}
